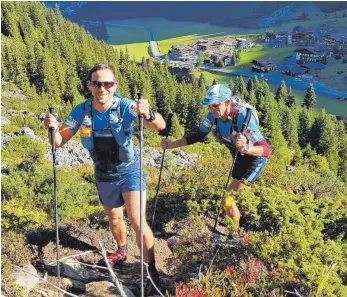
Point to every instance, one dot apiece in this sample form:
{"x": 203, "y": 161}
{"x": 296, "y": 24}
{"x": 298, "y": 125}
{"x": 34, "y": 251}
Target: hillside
{"x": 292, "y": 235}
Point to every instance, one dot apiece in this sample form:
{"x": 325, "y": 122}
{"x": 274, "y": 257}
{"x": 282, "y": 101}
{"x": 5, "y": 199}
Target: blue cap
{"x": 217, "y": 93}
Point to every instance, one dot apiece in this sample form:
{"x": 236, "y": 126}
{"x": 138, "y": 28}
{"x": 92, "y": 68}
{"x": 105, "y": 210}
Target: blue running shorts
{"x": 248, "y": 168}
{"x": 110, "y": 192}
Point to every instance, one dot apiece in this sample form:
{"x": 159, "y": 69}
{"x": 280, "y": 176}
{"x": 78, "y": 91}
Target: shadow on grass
{"x": 170, "y": 206}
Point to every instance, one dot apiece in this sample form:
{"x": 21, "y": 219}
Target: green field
{"x": 165, "y": 29}
{"x": 136, "y": 50}
{"x": 259, "y": 51}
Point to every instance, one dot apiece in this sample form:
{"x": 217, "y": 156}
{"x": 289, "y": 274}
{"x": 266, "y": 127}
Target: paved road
{"x": 152, "y": 41}
{"x": 275, "y": 78}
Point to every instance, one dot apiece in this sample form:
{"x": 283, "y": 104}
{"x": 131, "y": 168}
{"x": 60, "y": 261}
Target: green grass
{"x": 165, "y": 29}
{"x": 260, "y": 51}
{"x": 209, "y": 77}
{"x": 137, "y": 50}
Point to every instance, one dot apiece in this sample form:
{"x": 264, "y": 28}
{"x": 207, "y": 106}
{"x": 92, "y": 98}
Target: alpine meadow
{"x": 293, "y": 230}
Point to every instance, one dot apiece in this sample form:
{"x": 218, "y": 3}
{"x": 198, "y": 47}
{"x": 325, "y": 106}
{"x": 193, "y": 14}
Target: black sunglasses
{"x": 106, "y": 84}
{"x": 214, "y": 105}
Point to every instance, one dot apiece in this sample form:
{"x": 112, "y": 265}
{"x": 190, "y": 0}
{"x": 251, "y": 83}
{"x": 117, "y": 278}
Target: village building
{"x": 183, "y": 52}
{"x": 293, "y": 70}
{"x": 264, "y": 65}
{"x": 212, "y": 45}
{"x": 290, "y": 38}
{"x": 276, "y": 43}
{"x": 225, "y": 58}
{"x": 302, "y": 38}
{"x": 308, "y": 54}
{"x": 243, "y": 43}
{"x": 336, "y": 41}
{"x": 313, "y": 68}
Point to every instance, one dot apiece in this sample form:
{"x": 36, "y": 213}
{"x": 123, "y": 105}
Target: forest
{"x": 294, "y": 217}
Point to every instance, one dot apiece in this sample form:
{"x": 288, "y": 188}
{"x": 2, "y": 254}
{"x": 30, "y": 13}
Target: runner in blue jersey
{"x": 105, "y": 126}
{"x": 224, "y": 119}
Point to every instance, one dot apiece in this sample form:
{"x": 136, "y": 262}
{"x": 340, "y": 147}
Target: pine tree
{"x": 231, "y": 85}
{"x": 252, "y": 100}
{"x": 324, "y": 140}
{"x": 289, "y": 127}
{"x": 304, "y": 127}
{"x": 341, "y": 133}
{"x": 202, "y": 81}
{"x": 240, "y": 86}
{"x": 290, "y": 99}
{"x": 250, "y": 85}
{"x": 310, "y": 98}
{"x": 177, "y": 130}
{"x": 281, "y": 93}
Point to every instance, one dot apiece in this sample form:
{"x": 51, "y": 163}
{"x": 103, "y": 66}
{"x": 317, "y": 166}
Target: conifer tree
{"x": 310, "y": 98}
{"x": 177, "y": 129}
{"x": 231, "y": 85}
{"x": 342, "y": 150}
{"x": 289, "y": 127}
{"x": 252, "y": 100}
{"x": 281, "y": 93}
{"x": 304, "y": 127}
{"x": 324, "y": 139}
{"x": 290, "y": 99}
{"x": 250, "y": 85}
{"x": 202, "y": 81}
{"x": 240, "y": 86}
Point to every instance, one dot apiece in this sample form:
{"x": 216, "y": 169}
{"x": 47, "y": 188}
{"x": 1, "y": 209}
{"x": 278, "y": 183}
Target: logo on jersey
{"x": 113, "y": 117}
{"x": 71, "y": 123}
{"x": 132, "y": 108}
{"x": 250, "y": 135}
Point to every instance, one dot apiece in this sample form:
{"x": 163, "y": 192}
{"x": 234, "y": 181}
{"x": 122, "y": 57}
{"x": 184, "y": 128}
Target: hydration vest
{"x": 238, "y": 106}
{"x": 110, "y": 154}
{"x": 115, "y": 124}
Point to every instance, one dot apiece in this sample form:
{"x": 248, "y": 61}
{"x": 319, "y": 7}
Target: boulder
{"x": 5, "y": 121}
{"x": 105, "y": 289}
{"x": 76, "y": 271}
{"x": 26, "y": 280}
{"x": 27, "y": 131}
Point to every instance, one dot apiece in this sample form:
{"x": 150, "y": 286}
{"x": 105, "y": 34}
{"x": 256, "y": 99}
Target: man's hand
{"x": 143, "y": 108}
{"x": 241, "y": 143}
{"x": 51, "y": 121}
{"x": 166, "y": 143}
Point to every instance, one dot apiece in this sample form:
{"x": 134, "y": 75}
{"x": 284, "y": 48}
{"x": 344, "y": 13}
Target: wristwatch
{"x": 151, "y": 116}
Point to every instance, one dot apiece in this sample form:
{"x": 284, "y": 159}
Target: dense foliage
{"x": 294, "y": 218}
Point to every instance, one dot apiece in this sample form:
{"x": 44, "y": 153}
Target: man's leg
{"x": 117, "y": 224}
{"x": 233, "y": 211}
{"x": 132, "y": 203}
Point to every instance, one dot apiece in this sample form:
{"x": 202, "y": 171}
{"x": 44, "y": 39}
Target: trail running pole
{"x": 243, "y": 129}
{"x": 165, "y": 133}
{"x": 51, "y": 131}
{"x": 141, "y": 199}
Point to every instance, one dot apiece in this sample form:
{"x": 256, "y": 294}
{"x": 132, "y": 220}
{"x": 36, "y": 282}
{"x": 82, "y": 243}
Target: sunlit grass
{"x": 137, "y": 50}
{"x": 260, "y": 51}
